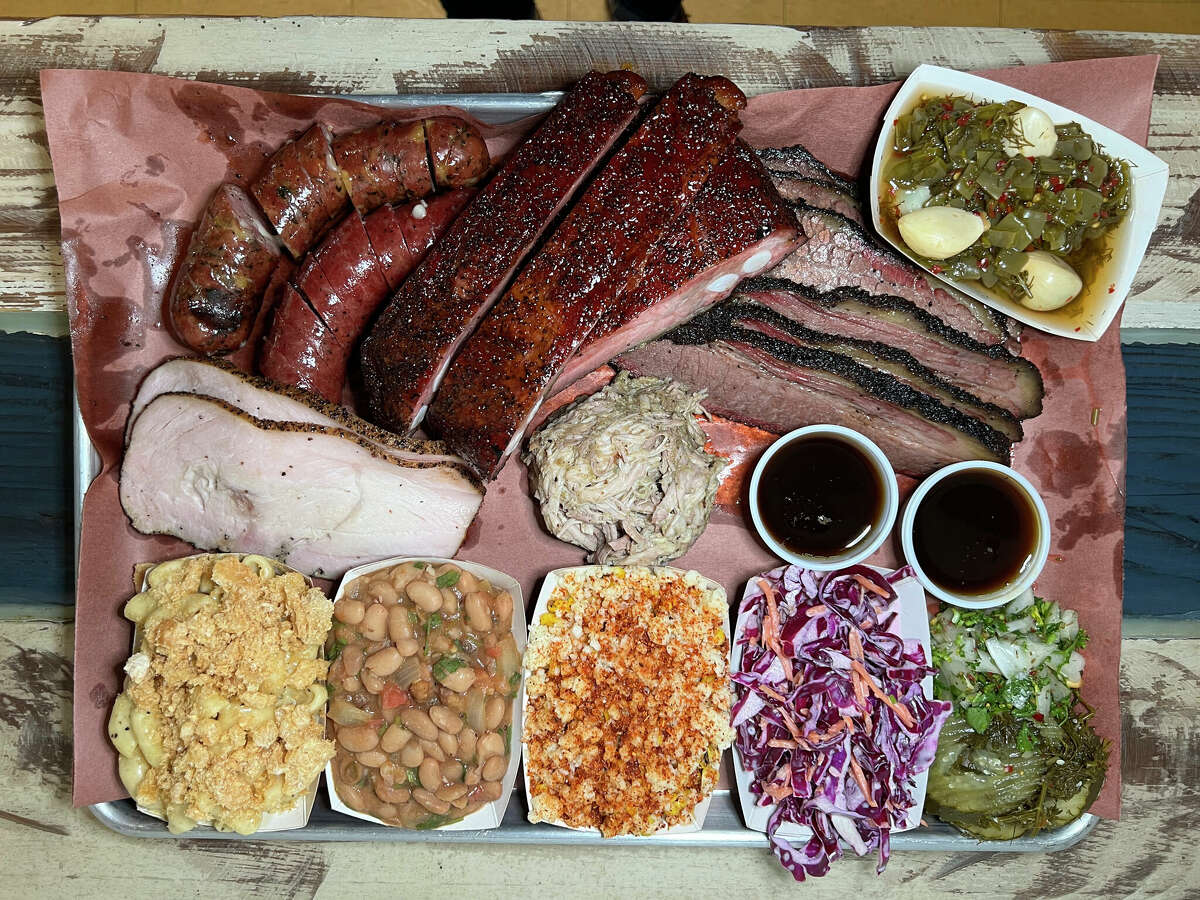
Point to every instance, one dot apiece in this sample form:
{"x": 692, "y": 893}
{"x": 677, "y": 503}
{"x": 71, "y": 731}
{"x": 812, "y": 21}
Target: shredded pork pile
{"x": 623, "y": 473}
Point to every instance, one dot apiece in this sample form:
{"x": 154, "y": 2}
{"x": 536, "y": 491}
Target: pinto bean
{"x": 384, "y": 662}
{"x": 372, "y": 759}
{"x": 472, "y": 777}
{"x": 430, "y": 774}
{"x": 374, "y": 622}
{"x": 445, "y": 719}
{"x": 452, "y": 771}
{"x": 352, "y": 659}
{"x": 492, "y": 790}
{"x": 398, "y": 627}
{"x": 426, "y": 596}
{"x": 349, "y": 611}
{"x": 490, "y": 744}
{"x": 351, "y": 684}
{"x": 493, "y": 713}
{"x": 388, "y": 793}
{"x": 448, "y": 743}
{"x": 460, "y": 680}
{"x": 466, "y": 582}
{"x": 411, "y": 755}
{"x": 502, "y": 606}
{"x": 467, "y": 739}
{"x": 452, "y": 791}
{"x": 371, "y": 681}
{"x": 478, "y": 615}
{"x": 418, "y": 722}
{"x": 381, "y": 591}
{"x": 431, "y": 748}
{"x": 431, "y": 802}
{"x": 394, "y": 738}
{"x": 407, "y": 646}
{"x": 358, "y": 738}
{"x": 494, "y": 768}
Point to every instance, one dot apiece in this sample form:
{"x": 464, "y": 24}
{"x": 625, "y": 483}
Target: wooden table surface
{"x": 53, "y": 850}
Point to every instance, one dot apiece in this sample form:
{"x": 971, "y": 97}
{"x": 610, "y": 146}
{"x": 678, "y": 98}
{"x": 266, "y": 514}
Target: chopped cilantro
{"x": 448, "y": 579}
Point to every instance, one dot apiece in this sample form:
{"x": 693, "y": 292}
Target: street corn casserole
{"x": 627, "y": 699}
{"x": 222, "y": 716}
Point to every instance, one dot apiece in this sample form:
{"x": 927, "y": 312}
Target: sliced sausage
{"x": 300, "y": 351}
{"x": 353, "y": 270}
{"x": 385, "y": 163}
{"x": 219, "y": 285}
{"x": 316, "y": 155}
{"x": 456, "y": 151}
{"x": 298, "y": 205}
{"x": 342, "y": 283}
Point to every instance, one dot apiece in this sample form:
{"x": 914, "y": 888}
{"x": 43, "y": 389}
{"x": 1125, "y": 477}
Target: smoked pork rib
{"x": 737, "y": 226}
{"x": 406, "y": 353}
{"x": 504, "y": 371}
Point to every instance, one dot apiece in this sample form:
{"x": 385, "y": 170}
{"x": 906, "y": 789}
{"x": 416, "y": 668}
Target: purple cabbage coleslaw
{"x": 831, "y": 719}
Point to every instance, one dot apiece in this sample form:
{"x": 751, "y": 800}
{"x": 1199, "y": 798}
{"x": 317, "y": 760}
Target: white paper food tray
{"x": 913, "y": 623}
{"x": 490, "y": 815}
{"x": 288, "y": 820}
{"x": 548, "y": 585}
{"x": 1128, "y": 240}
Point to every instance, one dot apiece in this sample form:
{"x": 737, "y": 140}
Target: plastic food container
{"x": 288, "y": 820}
{"x": 490, "y": 815}
{"x": 1088, "y": 316}
{"x": 1002, "y": 595}
{"x": 551, "y": 581}
{"x": 912, "y": 623}
{"x": 879, "y": 531}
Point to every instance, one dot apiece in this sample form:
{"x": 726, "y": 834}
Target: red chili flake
{"x": 984, "y": 263}
{"x": 1078, "y": 328}
{"x": 1008, "y": 769}
{"x": 947, "y": 105}
{"x": 1104, "y": 213}
{"x": 1112, "y": 288}
{"x": 945, "y": 117}
{"x": 1000, "y": 165}
{"x": 962, "y": 120}
{"x": 987, "y": 124}
{"x": 936, "y": 270}
{"x": 1038, "y": 717}
{"x": 1049, "y": 217}
{"x": 1056, "y": 183}
{"x": 1031, "y": 158}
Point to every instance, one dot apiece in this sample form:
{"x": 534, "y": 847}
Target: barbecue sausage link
{"x": 385, "y": 163}
{"x": 299, "y": 190}
{"x": 219, "y": 285}
{"x": 456, "y": 151}
{"x": 341, "y": 284}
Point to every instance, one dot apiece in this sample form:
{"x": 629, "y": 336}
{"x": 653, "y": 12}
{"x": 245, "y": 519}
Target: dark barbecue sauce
{"x": 975, "y": 532}
{"x": 820, "y": 496}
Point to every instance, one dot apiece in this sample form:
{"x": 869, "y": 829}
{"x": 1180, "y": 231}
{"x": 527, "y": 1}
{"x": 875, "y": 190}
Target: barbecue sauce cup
{"x": 976, "y": 533}
{"x": 823, "y": 497}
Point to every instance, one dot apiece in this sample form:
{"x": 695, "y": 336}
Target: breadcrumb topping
{"x": 627, "y": 699}
{"x": 233, "y": 680}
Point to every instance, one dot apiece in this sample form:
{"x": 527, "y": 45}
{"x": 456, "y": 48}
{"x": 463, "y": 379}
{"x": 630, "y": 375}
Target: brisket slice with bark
{"x": 872, "y": 354}
{"x": 991, "y": 373}
{"x": 406, "y": 353}
{"x": 839, "y": 253}
{"x": 780, "y": 386}
{"x": 797, "y": 161}
{"x": 497, "y": 382}
{"x": 737, "y": 226}
{"x": 818, "y": 194}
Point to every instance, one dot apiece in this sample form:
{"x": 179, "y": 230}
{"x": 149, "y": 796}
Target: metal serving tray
{"x": 723, "y": 827}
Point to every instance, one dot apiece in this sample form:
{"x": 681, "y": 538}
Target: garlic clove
{"x": 1052, "y": 282}
{"x": 911, "y": 199}
{"x": 938, "y": 232}
{"x": 1035, "y": 131}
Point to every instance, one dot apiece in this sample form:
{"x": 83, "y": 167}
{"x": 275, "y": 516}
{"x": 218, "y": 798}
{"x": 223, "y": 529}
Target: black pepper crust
{"x": 797, "y": 161}
{"x": 717, "y": 327}
{"x": 1006, "y": 423}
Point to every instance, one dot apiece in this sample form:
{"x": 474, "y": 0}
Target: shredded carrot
{"x": 770, "y": 692}
{"x": 791, "y": 725}
{"x": 861, "y": 778}
{"x": 816, "y": 610}
{"x": 901, "y": 711}
{"x": 780, "y": 742}
{"x": 866, "y": 624}
{"x": 778, "y": 792}
{"x": 856, "y": 647}
{"x": 849, "y": 724}
{"x": 837, "y": 728}
{"x": 870, "y": 585}
{"x": 860, "y": 692}
{"x": 868, "y": 724}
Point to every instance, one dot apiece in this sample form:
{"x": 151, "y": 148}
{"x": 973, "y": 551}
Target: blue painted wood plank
{"x": 1162, "y": 553}
{"x": 36, "y": 506}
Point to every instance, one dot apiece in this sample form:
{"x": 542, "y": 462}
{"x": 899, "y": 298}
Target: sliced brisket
{"x": 737, "y": 226}
{"x": 780, "y": 386}
{"x": 839, "y": 253}
{"x": 818, "y": 194}
{"x": 797, "y": 161}
{"x": 991, "y": 373}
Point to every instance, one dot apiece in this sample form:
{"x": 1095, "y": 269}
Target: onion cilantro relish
{"x": 962, "y": 153}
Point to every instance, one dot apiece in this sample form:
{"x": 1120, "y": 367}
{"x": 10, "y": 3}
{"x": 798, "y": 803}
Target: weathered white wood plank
{"x": 422, "y": 56}
{"x": 54, "y": 851}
